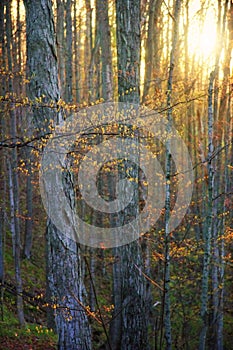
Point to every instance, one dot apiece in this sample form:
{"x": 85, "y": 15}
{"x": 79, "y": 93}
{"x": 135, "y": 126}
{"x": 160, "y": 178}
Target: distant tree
{"x": 153, "y": 50}
{"x": 12, "y": 163}
{"x": 3, "y": 161}
{"x": 68, "y": 53}
{"x": 60, "y": 34}
{"x": 103, "y": 29}
{"x": 76, "y": 38}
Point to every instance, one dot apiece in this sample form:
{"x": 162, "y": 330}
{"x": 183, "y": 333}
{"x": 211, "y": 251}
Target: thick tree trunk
{"x": 66, "y": 290}
{"x": 64, "y": 275}
{"x": 134, "y": 316}
{"x": 128, "y": 50}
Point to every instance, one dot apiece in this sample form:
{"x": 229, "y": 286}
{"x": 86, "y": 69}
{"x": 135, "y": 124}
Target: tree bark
{"x": 77, "y": 21}
{"x": 166, "y": 312}
{"x": 64, "y": 275}
{"x": 134, "y": 315}
{"x": 61, "y": 45}
{"x": 69, "y": 54}
{"x": 128, "y": 50}
{"x": 209, "y": 222}
{"x": 152, "y": 56}
{"x": 105, "y": 45}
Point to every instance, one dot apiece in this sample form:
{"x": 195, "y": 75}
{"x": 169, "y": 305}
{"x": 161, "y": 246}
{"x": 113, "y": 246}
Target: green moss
{"x": 9, "y": 328}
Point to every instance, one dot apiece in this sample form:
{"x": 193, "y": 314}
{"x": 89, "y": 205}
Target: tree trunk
{"x": 128, "y": 50}
{"x": 77, "y": 21}
{"x": 3, "y": 162}
{"x": 116, "y": 322}
{"x": 209, "y": 222}
{"x": 105, "y": 45}
{"x": 2, "y": 274}
{"x": 134, "y": 315}
{"x": 13, "y": 180}
{"x": 29, "y": 211}
{"x": 69, "y": 53}
{"x": 152, "y": 57}
{"x": 64, "y": 275}
{"x": 61, "y": 45}
{"x": 88, "y": 93}
{"x": 166, "y": 298}
{"x": 16, "y": 243}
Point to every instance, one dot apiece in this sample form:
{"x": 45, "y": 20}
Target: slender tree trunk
{"x": 116, "y": 322}
{"x": 29, "y": 210}
{"x": 77, "y": 21}
{"x": 16, "y": 245}
{"x": 13, "y": 180}
{"x": 92, "y": 279}
{"x": 2, "y": 274}
{"x": 166, "y": 298}
{"x": 105, "y": 45}
{"x": 61, "y": 45}
{"x": 2, "y": 163}
{"x": 152, "y": 58}
{"x": 69, "y": 53}
{"x": 220, "y": 186}
{"x": 88, "y": 93}
{"x": 209, "y": 222}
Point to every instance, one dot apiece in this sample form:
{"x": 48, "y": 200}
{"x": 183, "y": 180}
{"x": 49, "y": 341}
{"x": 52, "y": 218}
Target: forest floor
{"x": 26, "y": 343}
{"x": 35, "y": 335}
{"x": 31, "y": 337}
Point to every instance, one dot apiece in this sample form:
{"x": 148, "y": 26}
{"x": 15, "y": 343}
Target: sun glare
{"x": 202, "y": 32}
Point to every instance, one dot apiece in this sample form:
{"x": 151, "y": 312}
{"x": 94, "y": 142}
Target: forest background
{"x": 165, "y": 290}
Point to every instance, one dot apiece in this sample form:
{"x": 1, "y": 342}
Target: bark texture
{"x": 64, "y": 277}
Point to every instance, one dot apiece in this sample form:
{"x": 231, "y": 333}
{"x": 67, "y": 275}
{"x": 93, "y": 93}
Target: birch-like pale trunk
{"x": 16, "y": 242}
{"x": 214, "y": 224}
{"x": 166, "y": 297}
{"x": 220, "y": 184}
{"x": 209, "y": 222}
